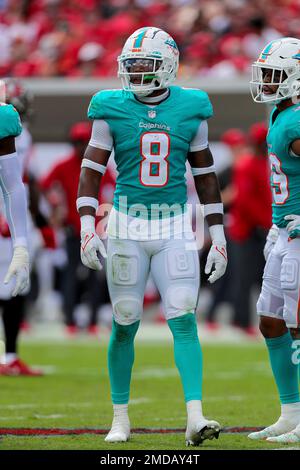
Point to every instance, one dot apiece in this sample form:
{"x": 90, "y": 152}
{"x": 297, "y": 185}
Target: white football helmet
{"x": 148, "y": 62}
{"x": 281, "y": 58}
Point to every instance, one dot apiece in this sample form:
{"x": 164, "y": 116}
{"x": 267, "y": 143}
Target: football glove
{"x": 19, "y": 267}
{"x": 217, "y": 258}
{"x": 271, "y": 240}
{"x": 91, "y": 248}
{"x": 293, "y": 227}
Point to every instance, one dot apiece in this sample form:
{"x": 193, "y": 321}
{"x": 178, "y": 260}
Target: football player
{"x": 13, "y": 307}
{"x": 154, "y": 128}
{"x": 14, "y": 196}
{"x": 276, "y": 81}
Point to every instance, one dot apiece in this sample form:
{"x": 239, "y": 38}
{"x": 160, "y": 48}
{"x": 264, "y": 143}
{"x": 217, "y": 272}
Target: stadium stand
{"x": 81, "y": 38}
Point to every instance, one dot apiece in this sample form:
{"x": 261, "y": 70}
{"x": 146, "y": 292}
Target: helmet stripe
{"x": 139, "y": 40}
{"x": 264, "y": 54}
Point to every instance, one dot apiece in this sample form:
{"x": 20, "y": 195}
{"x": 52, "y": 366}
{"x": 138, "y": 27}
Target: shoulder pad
{"x": 200, "y": 101}
{"x": 10, "y": 122}
{"x": 100, "y": 102}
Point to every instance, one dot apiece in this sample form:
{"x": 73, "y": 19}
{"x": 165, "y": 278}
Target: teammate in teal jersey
{"x": 154, "y": 128}
{"x": 276, "y": 80}
{"x": 14, "y": 196}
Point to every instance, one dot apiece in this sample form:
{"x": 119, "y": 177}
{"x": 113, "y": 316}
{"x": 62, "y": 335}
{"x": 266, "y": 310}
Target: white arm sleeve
{"x": 15, "y": 199}
{"x": 101, "y": 137}
{"x": 200, "y": 141}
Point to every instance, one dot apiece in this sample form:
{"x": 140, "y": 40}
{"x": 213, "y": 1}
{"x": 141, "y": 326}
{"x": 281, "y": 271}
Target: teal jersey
{"x": 10, "y": 123}
{"x": 151, "y": 145}
{"x": 285, "y": 169}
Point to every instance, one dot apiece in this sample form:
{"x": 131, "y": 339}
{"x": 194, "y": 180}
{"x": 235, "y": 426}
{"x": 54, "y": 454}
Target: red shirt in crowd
{"x": 252, "y": 204}
{"x": 66, "y": 174}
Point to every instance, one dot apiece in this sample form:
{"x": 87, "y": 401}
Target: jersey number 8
{"x": 154, "y": 167}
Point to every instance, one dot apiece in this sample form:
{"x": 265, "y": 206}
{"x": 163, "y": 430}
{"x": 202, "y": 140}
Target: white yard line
{"x": 148, "y": 332}
{"x": 155, "y": 373}
{"x": 24, "y": 406}
{"x": 54, "y": 416}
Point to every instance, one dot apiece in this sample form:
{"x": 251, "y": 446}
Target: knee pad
{"x": 127, "y": 310}
{"x": 180, "y": 300}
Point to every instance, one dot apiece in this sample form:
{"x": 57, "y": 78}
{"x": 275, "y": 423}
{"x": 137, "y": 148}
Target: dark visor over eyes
{"x": 274, "y": 76}
{"x": 137, "y": 65}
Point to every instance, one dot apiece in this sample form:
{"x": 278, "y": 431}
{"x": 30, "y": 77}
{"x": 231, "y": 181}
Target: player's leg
{"x": 176, "y": 274}
{"x": 70, "y": 281}
{"x": 278, "y": 339}
{"x": 127, "y": 271}
{"x": 12, "y": 315}
{"x": 290, "y": 281}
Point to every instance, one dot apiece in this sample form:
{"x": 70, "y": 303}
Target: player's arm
{"x": 92, "y": 169}
{"x": 15, "y": 201}
{"x": 207, "y": 187}
{"x": 295, "y": 147}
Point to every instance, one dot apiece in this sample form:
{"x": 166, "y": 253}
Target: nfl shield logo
{"x": 152, "y": 114}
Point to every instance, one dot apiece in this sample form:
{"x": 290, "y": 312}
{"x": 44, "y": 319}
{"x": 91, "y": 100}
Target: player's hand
{"x": 19, "y": 267}
{"x": 293, "y": 227}
{"x": 91, "y": 248}
{"x": 271, "y": 240}
{"x": 216, "y": 262}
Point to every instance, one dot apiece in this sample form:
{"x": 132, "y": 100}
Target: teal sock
{"x": 284, "y": 370}
{"x": 188, "y": 355}
{"x": 120, "y": 360}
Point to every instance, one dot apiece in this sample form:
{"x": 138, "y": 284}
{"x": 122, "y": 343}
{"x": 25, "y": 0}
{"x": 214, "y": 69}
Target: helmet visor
{"x": 141, "y": 71}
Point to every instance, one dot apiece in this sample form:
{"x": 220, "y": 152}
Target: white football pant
{"x": 174, "y": 269}
{"x": 280, "y": 293}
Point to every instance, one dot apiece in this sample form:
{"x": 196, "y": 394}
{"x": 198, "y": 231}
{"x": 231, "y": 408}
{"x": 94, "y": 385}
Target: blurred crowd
{"x": 82, "y": 38}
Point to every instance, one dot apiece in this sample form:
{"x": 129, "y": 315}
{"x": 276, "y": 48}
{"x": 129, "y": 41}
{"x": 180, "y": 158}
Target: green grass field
{"x": 238, "y": 391}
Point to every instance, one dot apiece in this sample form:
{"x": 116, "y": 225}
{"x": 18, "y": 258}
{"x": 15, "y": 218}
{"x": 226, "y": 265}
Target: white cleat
{"x": 282, "y": 426}
{"x": 197, "y": 433}
{"x": 292, "y": 437}
{"x": 118, "y": 434}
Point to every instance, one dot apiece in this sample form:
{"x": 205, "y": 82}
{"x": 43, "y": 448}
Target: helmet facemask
{"x": 142, "y": 74}
{"x": 287, "y": 81}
